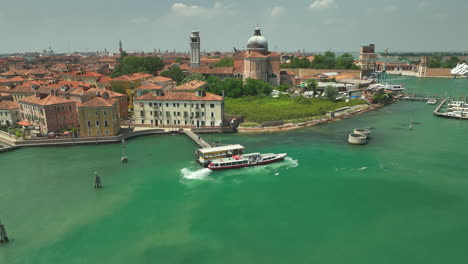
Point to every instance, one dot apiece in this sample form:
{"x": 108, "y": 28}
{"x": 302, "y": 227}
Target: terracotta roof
{"x": 49, "y": 100}
{"x": 149, "y": 86}
{"x": 159, "y": 78}
{"x": 192, "y": 85}
{"x": 180, "y": 96}
{"x": 99, "y": 102}
{"x": 24, "y": 123}
{"x": 104, "y": 79}
{"x": 212, "y": 70}
{"x": 8, "y": 105}
{"x": 133, "y": 77}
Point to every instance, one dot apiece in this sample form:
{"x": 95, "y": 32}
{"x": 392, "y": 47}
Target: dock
{"x": 419, "y": 97}
{"x": 200, "y": 141}
{"x": 445, "y": 113}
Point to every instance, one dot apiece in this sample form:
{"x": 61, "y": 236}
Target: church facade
{"x": 257, "y": 62}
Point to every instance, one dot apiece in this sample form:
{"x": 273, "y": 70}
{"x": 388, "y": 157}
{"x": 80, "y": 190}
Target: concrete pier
{"x": 200, "y": 141}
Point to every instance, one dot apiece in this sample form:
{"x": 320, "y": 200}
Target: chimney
{"x": 105, "y": 95}
{"x": 52, "y": 92}
{"x": 98, "y": 94}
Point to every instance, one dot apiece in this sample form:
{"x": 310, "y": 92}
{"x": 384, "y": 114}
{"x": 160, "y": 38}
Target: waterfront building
{"x": 257, "y": 62}
{"x": 50, "y": 113}
{"x": 9, "y": 113}
{"x": 185, "y": 106}
{"x": 99, "y": 116}
{"x": 195, "y": 49}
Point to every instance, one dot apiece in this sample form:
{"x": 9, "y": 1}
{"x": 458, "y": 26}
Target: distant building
{"x": 99, "y": 116}
{"x": 165, "y": 82}
{"x": 367, "y": 60}
{"x": 195, "y": 49}
{"x": 50, "y": 113}
{"x": 256, "y": 63}
{"x": 9, "y": 113}
{"x": 186, "y": 106}
{"x": 81, "y": 75}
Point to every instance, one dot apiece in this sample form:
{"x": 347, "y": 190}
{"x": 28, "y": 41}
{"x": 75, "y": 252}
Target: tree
{"x": 137, "y": 64}
{"x": 434, "y": 62}
{"x": 451, "y": 63}
{"x": 311, "y": 85}
{"x": 345, "y": 61}
{"x": 178, "y": 60}
{"x": 224, "y": 62}
{"x": 175, "y": 73}
{"x": 194, "y": 76}
{"x": 331, "y": 92}
{"x": 256, "y": 87}
{"x": 283, "y": 87}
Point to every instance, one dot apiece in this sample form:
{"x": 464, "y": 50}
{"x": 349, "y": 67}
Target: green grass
{"x": 264, "y": 109}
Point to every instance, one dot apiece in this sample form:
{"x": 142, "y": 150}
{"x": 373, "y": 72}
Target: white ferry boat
{"x": 393, "y": 87}
{"x": 246, "y": 160}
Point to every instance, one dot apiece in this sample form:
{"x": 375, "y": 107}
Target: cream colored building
{"x": 9, "y": 113}
{"x": 181, "y": 107}
{"x": 99, "y": 117}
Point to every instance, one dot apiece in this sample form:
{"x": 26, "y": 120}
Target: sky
{"x": 312, "y": 25}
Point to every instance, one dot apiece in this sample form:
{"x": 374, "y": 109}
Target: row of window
{"x": 98, "y": 132}
{"x": 168, "y": 113}
{"x": 6, "y": 113}
{"x": 177, "y": 122}
{"x": 106, "y": 123}
{"x": 178, "y": 105}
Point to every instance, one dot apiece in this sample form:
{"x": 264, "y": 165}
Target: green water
{"x": 403, "y": 198}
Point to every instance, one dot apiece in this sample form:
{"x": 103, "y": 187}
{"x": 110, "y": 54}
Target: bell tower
{"x": 195, "y": 49}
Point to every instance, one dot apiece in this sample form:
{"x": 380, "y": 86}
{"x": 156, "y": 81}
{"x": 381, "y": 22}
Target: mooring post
{"x": 3, "y": 234}
{"x": 97, "y": 181}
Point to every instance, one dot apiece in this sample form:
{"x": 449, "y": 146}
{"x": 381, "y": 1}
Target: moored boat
{"x": 246, "y": 160}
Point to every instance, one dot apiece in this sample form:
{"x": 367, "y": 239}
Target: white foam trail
{"x": 292, "y": 162}
{"x": 195, "y": 174}
{"x": 363, "y": 168}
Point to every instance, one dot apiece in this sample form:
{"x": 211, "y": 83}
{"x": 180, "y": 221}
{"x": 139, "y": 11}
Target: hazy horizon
{"x": 313, "y": 25}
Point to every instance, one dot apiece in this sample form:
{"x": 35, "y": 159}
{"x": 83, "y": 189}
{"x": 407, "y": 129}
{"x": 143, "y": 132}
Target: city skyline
{"x": 317, "y": 25}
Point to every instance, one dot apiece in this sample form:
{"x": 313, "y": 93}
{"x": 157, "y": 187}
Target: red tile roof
{"x": 212, "y": 70}
{"x": 99, "y": 102}
{"x": 159, "y": 78}
{"x": 132, "y": 77}
{"x": 180, "y": 96}
{"x": 8, "y": 105}
{"x": 149, "y": 86}
{"x": 49, "y": 100}
{"x": 104, "y": 79}
{"x": 192, "y": 85}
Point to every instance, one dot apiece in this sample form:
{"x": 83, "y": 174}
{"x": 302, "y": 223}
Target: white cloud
{"x": 181, "y": 9}
{"x": 391, "y": 9}
{"x": 319, "y": 4}
{"x": 276, "y": 11}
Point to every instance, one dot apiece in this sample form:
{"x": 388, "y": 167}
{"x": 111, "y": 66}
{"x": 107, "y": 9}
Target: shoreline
{"x": 291, "y": 126}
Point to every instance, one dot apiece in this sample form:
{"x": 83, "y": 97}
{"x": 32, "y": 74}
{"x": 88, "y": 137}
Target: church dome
{"x": 257, "y": 42}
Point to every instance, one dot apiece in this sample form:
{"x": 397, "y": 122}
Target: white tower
{"x": 195, "y": 49}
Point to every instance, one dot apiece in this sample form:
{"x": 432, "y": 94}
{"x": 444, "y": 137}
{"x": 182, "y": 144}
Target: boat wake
{"x": 196, "y": 174}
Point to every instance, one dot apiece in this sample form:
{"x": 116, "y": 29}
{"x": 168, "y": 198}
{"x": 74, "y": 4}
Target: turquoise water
{"x": 400, "y": 199}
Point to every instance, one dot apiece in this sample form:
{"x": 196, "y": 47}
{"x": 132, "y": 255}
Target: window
{"x": 142, "y": 113}
{"x": 212, "y": 123}
{"x": 97, "y": 122}
{"x": 150, "y": 104}
{"x": 142, "y": 121}
{"x": 173, "y": 104}
{"x": 96, "y": 112}
{"x": 175, "y": 113}
{"x": 202, "y": 105}
{"x": 90, "y": 133}
{"x": 175, "y": 122}
{"x": 151, "y": 121}
{"x": 185, "y": 114}
{"x": 211, "y": 105}
{"x": 178, "y": 113}
{"x": 107, "y": 132}
{"x": 168, "y": 113}
{"x": 212, "y": 114}
{"x": 203, "y": 113}
{"x": 63, "y": 108}
{"x": 167, "y": 122}
{"x": 185, "y": 104}
{"x": 151, "y": 113}
{"x": 178, "y": 105}
{"x": 185, "y": 121}
{"x": 104, "y": 112}
{"x": 196, "y": 105}
{"x": 69, "y": 107}
{"x": 167, "y": 104}
{"x": 98, "y": 132}
{"x": 106, "y": 123}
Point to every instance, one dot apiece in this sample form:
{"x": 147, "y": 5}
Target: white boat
{"x": 392, "y": 87}
{"x": 460, "y": 69}
{"x": 246, "y": 160}
{"x": 432, "y": 101}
